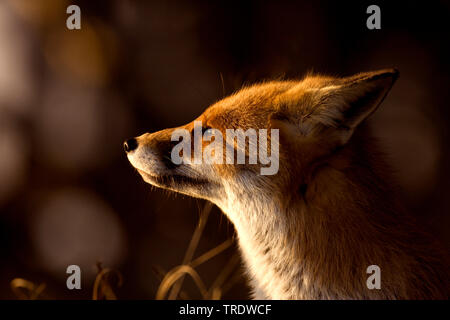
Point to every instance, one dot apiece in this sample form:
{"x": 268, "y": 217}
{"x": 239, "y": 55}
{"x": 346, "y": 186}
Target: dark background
{"x": 68, "y": 99}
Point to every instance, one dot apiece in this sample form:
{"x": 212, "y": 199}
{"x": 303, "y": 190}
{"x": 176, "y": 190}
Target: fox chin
{"x": 312, "y": 228}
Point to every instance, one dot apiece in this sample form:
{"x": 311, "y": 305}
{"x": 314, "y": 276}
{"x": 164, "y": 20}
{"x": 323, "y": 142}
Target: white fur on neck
{"x": 262, "y": 228}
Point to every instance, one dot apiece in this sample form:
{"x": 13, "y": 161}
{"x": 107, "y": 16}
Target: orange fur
{"x": 311, "y": 230}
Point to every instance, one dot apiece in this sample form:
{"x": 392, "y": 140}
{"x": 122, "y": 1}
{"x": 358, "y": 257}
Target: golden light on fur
{"x": 311, "y": 230}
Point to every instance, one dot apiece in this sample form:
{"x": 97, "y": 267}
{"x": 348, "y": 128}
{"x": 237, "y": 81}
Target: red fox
{"x": 312, "y": 228}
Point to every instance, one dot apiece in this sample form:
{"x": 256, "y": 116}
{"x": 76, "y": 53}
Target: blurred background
{"x": 69, "y": 98}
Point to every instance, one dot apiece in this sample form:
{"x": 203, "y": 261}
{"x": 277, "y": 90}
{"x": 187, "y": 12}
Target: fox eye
{"x": 205, "y": 128}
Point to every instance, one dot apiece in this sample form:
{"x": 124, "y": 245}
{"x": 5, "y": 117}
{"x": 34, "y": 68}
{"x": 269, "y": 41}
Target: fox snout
{"x": 151, "y": 153}
{"x": 130, "y": 145}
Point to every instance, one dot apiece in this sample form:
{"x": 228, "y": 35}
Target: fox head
{"x": 309, "y": 124}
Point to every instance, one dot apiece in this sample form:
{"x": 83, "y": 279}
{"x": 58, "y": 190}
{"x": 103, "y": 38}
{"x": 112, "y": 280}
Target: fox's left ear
{"x": 336, "y": 109}
{"x": 348, "y": 103}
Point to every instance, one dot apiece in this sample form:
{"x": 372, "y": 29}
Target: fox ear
{"x": 337, "y": 108}
{"x": 344, "y": 105}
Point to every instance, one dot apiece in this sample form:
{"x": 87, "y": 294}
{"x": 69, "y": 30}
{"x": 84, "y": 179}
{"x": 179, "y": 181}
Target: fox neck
{"x": 318, "y": 244}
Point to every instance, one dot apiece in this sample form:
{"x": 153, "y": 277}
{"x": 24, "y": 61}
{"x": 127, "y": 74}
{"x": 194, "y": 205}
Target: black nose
{"x": 130, "y": 145}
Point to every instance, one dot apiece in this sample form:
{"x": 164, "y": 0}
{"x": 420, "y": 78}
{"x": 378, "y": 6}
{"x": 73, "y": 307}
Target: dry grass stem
{"x": 173, "y": 275}
{"x": 192, "y": 247}
{"x": 26, "y": 290}
{"x": 103, "y": 288}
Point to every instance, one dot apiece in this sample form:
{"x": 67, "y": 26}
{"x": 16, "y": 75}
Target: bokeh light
{"x": 76, "y": 227}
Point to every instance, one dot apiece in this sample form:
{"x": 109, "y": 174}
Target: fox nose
{"x": 130, "y": 145}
